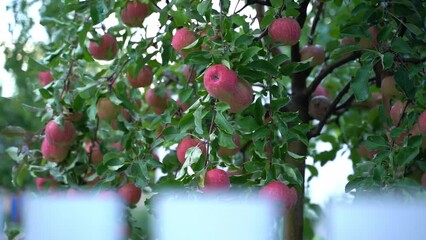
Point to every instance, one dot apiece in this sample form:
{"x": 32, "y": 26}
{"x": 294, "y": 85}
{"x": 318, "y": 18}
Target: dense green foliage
{"x": 276, "y": 131}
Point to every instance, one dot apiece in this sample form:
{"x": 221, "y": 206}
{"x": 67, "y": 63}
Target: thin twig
{"x": 330, "y": 68}
{"x": 315, "y": 23}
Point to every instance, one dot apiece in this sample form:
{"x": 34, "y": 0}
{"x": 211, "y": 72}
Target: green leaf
{"x": 407, "y": 85}
{"x": 179, "y": 18}
{"x": 414, "y": 29}
{"x": 223, "y": 124}
{"x": 277, "y": 3}
{"x": 406, "y": 155}
{"x": 98, "y": 11}
{"x": 387, "y": 60}
{"x": 359, "y": 84}
{"x": 264, "y": 66}
{"x": 198, "y": 120}
{"x": 376, "y": 143}
{"x": 249, "y": 53}
{"x": 400, "y": 46}
{"x": 33, "y": 64}
{"x": 226, "y": 140}
{"x": 203, "y": 6}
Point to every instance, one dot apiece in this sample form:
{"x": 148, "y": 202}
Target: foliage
{"x": 276, "y": 131}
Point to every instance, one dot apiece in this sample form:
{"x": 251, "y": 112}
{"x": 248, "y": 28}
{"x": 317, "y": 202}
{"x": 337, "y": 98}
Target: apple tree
{"x": 228, "y": 99}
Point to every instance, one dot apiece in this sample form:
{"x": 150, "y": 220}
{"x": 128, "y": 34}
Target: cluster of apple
{"x": 221, "y": 83}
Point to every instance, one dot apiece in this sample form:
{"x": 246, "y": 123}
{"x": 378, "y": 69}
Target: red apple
{"x": 118, "y": 146}
{"x": 226, "y": 152}
{"x": 183, "y": 106}
{"x": 347, "y": 41}
{"x": 280, "y": 193}
{"x": 107, "y": 110}
{"x": 316, "y": 52}
{"x": 130, "y": 193}
{"x": 388, "y": 88}
{"x": 157, "y": 100}
{"x": 183, "y": 38}
{"x": 45, "y": 78}
{"x": 322, "y": 91}
{"x": 143, "y": 79}
{"x": 318, "y": 107}
{"x": 189, "y": 73}
{"x": 60, "y": 135}
{"x": 243, "y": 97}
{"x": 134, "y": 13}
{"x": 216, "y": 180}
{"x": 187, "y": 143}
{"x": 54, "y": 153}
{"x": 422, "y": 123}
{"x": 370, "y": 43}
{"x": 46, "y": 183}
{"x": 285, "y": 30}
{"x": 96, "y": 155}
{"x": 396, "y": 112}
{"x": 365, "y": 153}
{"x": 105, "y": 49}
{"x": 221, "y": 82}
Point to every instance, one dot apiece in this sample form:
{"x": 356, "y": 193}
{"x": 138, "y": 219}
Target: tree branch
{"x": 330, "y": 68}
{"x": 315, "y": 23}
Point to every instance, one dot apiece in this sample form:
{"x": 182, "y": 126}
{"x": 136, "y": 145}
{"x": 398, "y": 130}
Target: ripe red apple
{"x": 130, "y": 193}
{"x": 60, "y": 135}
{"x": 216, "y": 180}
{"x": 316, "y": 52}
{"x": 243, "y": 97}
{"x": 422, "y": 123}
{"x": 189, "y": 73}
{"x": 370, "y": 43}
{"x": 157, "y": 100}
{"x": 187, "y": 143}
{"x": 396, "y": 112}
{"x": 318, "y": 107}
{"x": 107, "y": 110}
{"x": 221, "y": 82}
{"x": 54, "y": 153}
{"x": 105, "y": 49}
{"x": 365, "y": 153}
{"x": 321, "y": 91}
{"x": 45, "y": 78}
{"x": 118, "y": 146}
{"x": 143, "y": 79}
{"x": 183, "y": 38}
{"x": 97, "y": 156}
{"x": 347, "y": 41}
{"x": 46, "y": 183}
{"x": 134, "y": 13}
{"x": 388, "y": 88}
{"x": 285, "y": 30}
{"x": 226, "y": 152}
{"x": 280, "y": 193}
{"x": 183, "y": 106}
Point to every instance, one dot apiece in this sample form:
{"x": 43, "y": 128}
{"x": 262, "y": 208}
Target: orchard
{"x": 230, "y": 98}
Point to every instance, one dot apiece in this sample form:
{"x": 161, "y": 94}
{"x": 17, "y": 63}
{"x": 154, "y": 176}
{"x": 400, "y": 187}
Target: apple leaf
{"x": 406, "y": 155}
{"x": 226, "y": 140}
{"x": 359, "y": 84}
{"x": 98, "y": 11}
{"x": 387, "y": 60}
{"x": 376, "y": 143}
{"x": 223, "y": 124}
{"x": 198, "y": 120}
{"x": 248, "y": 54}
{"x": 264, "y": 66}
{"x": 403, "y": 80}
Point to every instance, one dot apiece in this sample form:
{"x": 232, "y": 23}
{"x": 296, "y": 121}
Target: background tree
{"x": 227, "y": 95}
